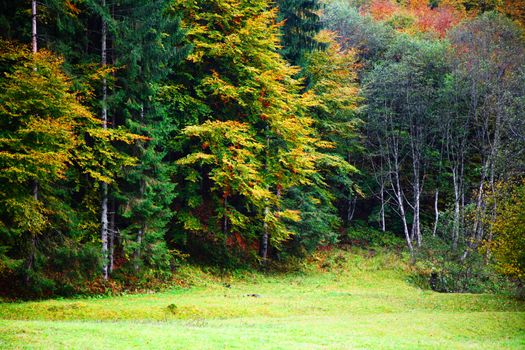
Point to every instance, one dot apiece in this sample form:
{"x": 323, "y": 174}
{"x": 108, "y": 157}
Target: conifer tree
{"x": 300, "y": 27}
{"x": 147, "y": 48}
{"x": 332, "y": 77}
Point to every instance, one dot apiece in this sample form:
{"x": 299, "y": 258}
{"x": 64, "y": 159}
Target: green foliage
{"x": 61, "y": 267}
{"x": 444, "y": 270}
{"x": 41, "y": 124}
{"x": 361, "y": 32}
{"x": 319, "y": 223}
{"x": 508, "y": 244}
{"x": 301, "y": 23}
{"x": 331, "y": 76}
{"x": 258, "y": 143}
{"x": 50, "y": 141}
{"x": 148, "y": 45}
{"x": 231, "y": 124}
{"x": 363, "y": 235}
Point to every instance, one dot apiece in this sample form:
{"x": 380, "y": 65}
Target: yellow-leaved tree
{"x": 254, "y": 140}
{"x": 45, "y": 132}
{"x": 507, "y": 245}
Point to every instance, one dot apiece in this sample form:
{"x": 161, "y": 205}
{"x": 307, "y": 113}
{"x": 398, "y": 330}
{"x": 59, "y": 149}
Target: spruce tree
{"x": 301, "y": 23}
{"x": 147, "y": 48}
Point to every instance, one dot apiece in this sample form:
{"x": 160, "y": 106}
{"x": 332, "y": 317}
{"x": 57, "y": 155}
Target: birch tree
{"x": 488, "y": 56}
{"x": 402, "y": 120}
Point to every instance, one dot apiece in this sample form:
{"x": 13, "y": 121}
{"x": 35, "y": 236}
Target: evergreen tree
{"x": 147, "y": 48}
{"x": 300, "y": 27}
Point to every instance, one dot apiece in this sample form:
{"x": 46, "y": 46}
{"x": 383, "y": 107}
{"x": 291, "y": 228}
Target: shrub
{"x": 365, "y": 236}
{"x": 443, "y": 269}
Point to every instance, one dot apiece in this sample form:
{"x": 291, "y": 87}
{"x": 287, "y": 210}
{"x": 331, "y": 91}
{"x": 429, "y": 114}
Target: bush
{"x": 60, "y": 267}
{"x": 442, "y": 269}
{"x": 365, "y": 236}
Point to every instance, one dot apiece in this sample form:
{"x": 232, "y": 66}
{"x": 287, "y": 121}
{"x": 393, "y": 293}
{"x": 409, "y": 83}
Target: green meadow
{"x": 339, "y": 300}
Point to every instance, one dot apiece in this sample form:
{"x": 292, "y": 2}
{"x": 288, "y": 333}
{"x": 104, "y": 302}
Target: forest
{"x": 139, "y": 136}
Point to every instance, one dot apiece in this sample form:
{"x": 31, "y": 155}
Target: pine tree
{"x": 300, "y": 27}
{"x": 147, "y": 48}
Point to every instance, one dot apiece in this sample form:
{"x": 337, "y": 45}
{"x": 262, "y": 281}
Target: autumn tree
{"x": 332, "y": 79}
{"x": 508, "y": 244}
{"x": 39, "y": 119}
{"x": 487, "y": 61}
{"x": 46, "y": 133}
{"x": 267, "y": 144}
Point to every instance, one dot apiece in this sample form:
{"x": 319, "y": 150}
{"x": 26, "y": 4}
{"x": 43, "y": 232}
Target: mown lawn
{"x": 355, "y": 301}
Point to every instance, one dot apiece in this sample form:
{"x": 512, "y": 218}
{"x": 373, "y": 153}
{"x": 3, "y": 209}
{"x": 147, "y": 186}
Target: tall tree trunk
{"x": 382, "y": 211}
{"x": 399, "y": 196}
{"x": 351, "y": 200}
{"x": 142, "y": 231}
{"x": 494, "y": 155}
{"x": 436, "y": 212}
{"x": 351, "y": 209}
{"x": 457, "y": 199}
{"x": 34, "y": 41}
{"x": 477, "y": 231}
{"x": 33, "y": 27}
{"x": 32, "y": 243}
{"x": 138, "y": 251}
{"x": 112, "y": 233}
{"x": 112, "y": 222}
{"x": 104, "y": 201}
{"x": 416, "y": 187}
{"x": 478, "y": 223}
{"x": 416, "y": 223}
{"x": 404, "y": 220}
{"x": 104, "y": 230}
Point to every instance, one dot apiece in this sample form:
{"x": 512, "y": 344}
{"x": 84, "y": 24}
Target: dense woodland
{"x": 135, "y": 135}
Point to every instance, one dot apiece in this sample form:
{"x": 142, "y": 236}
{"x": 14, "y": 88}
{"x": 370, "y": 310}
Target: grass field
{"x": 356, "y": 301}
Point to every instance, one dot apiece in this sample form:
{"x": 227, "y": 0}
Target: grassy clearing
{"x": 356, "y": 301}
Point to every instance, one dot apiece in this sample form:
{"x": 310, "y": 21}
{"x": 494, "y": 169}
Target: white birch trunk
{"x": 104, "y": 201}
{"x": 400, "y": 202}
{"x": 382, "y": 211}
{"x": 436, "y": 212}
{"x": 33, "y": 27}
{"x": 32, "y": 246}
